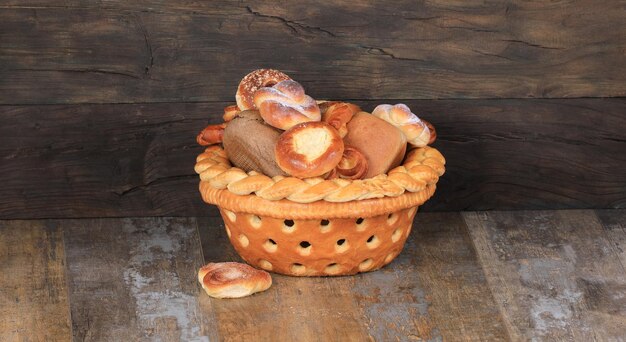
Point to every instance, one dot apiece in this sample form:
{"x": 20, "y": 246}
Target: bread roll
{"x": 232, "y": 280}
{"x": 382, "y": 144}
{"x": 309, "y": 149}
{"x": 433, "y": 132}
{"x": 254, "y": 81}
{"x": 353, "y": 165}
{"x": 230, "y": 112}
{"x": 286, "y": 105}
{"x": 415, "y": 130}
{"x": 339, "y": 114}
{"x": 211, "y": 134}
{"x": 249, "y": 144}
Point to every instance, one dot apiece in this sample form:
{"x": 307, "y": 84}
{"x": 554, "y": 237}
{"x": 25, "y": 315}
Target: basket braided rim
{"x": 408, "y": 185}
{"x": 284, "y": 208}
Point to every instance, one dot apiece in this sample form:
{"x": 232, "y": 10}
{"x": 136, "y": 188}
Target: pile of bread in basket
{"x": 278, "y": 145}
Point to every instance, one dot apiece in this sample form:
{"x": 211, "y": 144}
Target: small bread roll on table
{"x": 232, "y": 280}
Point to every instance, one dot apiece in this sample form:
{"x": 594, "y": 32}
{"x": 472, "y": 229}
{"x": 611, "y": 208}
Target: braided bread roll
{"x": 339, "y": 114}
{"x": 415, "y": 130}
{"x": 232, "y": 280}
{"x": 286, "y": 105}
{"x": 254, "y": 81}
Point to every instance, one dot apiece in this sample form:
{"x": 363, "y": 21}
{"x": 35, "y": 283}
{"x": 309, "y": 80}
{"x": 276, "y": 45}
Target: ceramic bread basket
{"x": 317, "y": 227}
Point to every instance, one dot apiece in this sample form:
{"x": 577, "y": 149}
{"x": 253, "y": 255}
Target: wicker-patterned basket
{"x": 274, "y": 228}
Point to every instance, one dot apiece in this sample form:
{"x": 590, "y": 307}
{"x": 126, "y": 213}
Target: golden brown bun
{"x": 353, "y": 165}
{"x": 309, "y": 149}
{"x": 254, "y": 81}
{"x": 211, "y": 134}
{"x": 230, "y": 112}
{"x": 415, "y": 130}
{"x": 286, "y": 105}
{"x": 249, "y": 144}
{"x": 382, "y": 144}
{"x": 339, "y": 114}
{"x": 232, "y": 280}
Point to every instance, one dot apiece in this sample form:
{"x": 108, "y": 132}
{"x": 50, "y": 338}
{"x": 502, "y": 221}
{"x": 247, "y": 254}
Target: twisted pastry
{"x": 286, "y": 105}
{"x": 422, "y": 168}
{"x": 232, "y": 280}
{"x": 211, "y": 134}
{"x": 230, "y": 112}
{"x": 339, "y": 114}
{"x": 415, "y": 130}
{"x": 353, "y": 165}
{"x": 254, "y": 81}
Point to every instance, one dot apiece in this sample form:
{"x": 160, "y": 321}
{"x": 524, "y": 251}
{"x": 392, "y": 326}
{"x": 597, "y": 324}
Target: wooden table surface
{"x": 520, "y": 275}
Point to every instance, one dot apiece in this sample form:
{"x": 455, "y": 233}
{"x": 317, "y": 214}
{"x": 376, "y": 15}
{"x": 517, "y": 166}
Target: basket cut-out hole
{"x": 266, "y": 265}
{"x": 396, "y": 235}
{"x": 228, "y": 232}
{"x": 255, "y": 221}
{"x": 324, "y": 226}
{"x": 360, "y": 224}
{"x": 304, "y": 248}
{"x": 392, "y": 218}
{"x": 365, "y": 265}
{"x": 243, "y": 240}
{"x": 270, "y": 246}
{"x": 333, "y": 268}
{"x": 373, "y": 242}
{"x": 411, "y": 212}
{"x": 341, "y": 246}
{"x": 298, "y": 268}
{"x": 289, "y": 226}
{"x": 388, "y": 258}
{"x": 231, "y": 216}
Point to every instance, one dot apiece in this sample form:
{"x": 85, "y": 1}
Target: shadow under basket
{"x": 319, "y": 238}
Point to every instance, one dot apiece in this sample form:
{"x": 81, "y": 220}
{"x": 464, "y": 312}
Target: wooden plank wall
{"x": 100, "y": 101}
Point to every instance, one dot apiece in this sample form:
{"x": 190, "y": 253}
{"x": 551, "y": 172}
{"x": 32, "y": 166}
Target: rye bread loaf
{"x": 249, "y": 144}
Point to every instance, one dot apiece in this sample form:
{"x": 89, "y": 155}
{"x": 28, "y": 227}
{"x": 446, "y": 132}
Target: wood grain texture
{"x": 98, "y": 161}
{"x": 147, "y": 51}
{"x": 554, "y": 274}
{"x": 434, "y": 290}
{"x": 135, "y": 280}
{"x": 137, "y": 159}
{"x": 293, "y": 309}
{"x": 34, "y": 303}
{"x": 614, "y": 224}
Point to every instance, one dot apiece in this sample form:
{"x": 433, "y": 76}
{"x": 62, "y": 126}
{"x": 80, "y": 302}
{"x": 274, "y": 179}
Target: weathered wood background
{"x": 100, "y": 101}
